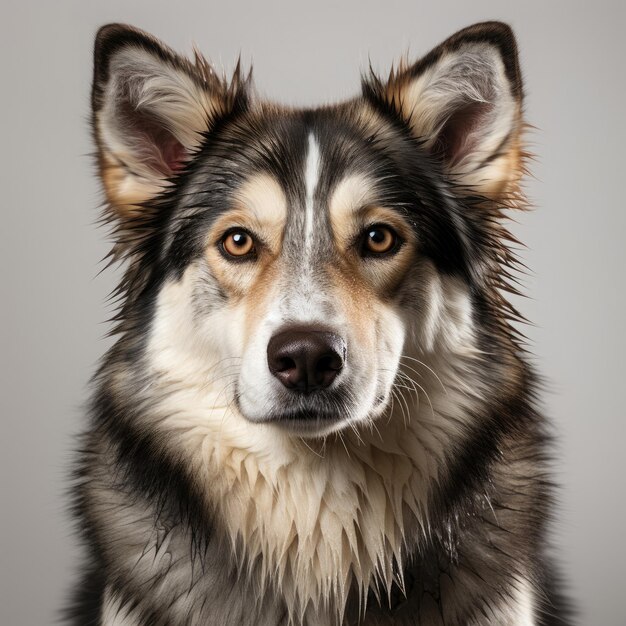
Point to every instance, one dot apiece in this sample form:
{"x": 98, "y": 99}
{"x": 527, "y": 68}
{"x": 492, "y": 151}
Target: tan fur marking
{"x": 256, "y": 301}
{"x": 263, "y": 198}
{"x": 357, "y": 302}
{"x": 351, "y": 195}
{"x": 261, "y": 208}
{"x": 352, "y": 208}
{"x": 125, "y": 192}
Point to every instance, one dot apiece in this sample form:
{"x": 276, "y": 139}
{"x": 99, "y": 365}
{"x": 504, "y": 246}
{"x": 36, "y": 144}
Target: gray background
{"x": 53, "y": 303}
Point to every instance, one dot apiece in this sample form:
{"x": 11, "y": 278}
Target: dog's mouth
{"x": 311, "y": 415}
{"x": 307, "y": 423}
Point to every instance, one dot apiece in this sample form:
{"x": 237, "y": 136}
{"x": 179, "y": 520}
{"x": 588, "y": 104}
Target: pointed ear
{"x": 150, "y": 108}
{"x": 463, "y": 101}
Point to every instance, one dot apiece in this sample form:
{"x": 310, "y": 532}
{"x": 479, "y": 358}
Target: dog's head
{"x": 292, "y": 258}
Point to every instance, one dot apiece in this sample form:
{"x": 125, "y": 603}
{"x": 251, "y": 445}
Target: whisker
{"x": 303, "y": 440}
{"x": 432, "y": 408}
{"x": 430, "y": 369}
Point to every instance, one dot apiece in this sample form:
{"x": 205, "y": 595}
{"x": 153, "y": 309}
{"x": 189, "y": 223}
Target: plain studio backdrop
{"x": 53, "y": 300}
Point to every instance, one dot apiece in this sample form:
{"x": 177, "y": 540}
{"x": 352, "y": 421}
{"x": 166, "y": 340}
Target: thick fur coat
{"x": 399, "y": 477}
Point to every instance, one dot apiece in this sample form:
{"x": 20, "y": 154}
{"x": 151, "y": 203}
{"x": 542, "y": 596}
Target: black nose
{"x": 306, "y": 359}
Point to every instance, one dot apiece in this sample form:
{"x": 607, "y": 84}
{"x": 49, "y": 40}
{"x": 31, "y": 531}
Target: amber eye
{"x": 238, "y": 243}
{"x": 379, "y": 240}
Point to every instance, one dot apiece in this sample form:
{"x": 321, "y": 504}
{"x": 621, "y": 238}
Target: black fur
{"x": 489, "y": 513}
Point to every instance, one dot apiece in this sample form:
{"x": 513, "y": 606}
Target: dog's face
{"x": 308, "y": 256}
{"x": 290, "y": 258}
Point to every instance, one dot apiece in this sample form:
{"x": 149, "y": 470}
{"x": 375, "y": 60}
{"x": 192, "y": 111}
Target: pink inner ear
{"x": 154, "y": 143}
{"x": 163, "y": 152}
{"x": 174, "y": 155}
{"x": 460, "y": 133}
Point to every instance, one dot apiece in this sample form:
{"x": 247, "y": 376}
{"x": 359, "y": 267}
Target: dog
{"x": 318, "y": 409}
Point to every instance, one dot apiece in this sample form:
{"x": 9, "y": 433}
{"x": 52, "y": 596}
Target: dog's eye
{"x": 238, "y": 243}
{"x": 379, "y": 239}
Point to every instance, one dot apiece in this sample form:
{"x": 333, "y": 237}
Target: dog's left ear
{"x": 463, "y": 102}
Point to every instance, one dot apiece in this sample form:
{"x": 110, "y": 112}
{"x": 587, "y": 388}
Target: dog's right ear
{"x": 150, "y": 110}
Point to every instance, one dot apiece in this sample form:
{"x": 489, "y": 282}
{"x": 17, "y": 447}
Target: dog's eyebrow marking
{"x": 350, "y": 197}
{"x": 264, "y": 199}
{"x": 312, "y": 167}
{"x": 350, "y": 194}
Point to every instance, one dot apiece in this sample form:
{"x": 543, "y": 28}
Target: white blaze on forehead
{"x": 311, "y": 177}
